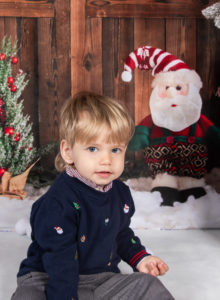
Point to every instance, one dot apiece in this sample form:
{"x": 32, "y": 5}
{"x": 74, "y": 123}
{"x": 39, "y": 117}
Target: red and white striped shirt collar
{"x": 74, "y": 173}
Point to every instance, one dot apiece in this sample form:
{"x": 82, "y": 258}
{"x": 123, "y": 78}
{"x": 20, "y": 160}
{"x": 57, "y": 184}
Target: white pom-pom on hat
{"x": 126, "y": 76}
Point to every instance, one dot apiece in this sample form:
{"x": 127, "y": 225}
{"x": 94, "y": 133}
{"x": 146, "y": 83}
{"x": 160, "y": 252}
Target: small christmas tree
{"x": 16, "y": 139}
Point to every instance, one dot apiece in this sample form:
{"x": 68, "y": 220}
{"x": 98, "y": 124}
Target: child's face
{"x": 97, "y": 161}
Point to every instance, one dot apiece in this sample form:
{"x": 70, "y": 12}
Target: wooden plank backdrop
{"x": 73, "y": 45}
{"x": 146, "y": 8}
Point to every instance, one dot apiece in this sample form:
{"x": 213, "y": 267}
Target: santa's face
{"x": 175, "y": 106}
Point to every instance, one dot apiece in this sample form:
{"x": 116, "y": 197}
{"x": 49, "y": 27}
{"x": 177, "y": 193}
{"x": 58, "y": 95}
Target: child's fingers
{"x": 153, "y": 269}
{"x": 163, "y": 268}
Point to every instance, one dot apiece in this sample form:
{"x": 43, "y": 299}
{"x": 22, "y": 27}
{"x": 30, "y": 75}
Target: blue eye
{"x": 92, "y": 149}
{"x": 116, "y": 150}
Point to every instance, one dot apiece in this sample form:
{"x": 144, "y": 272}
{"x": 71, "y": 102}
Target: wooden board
{"x": 145, "y": 8}
{"x": 34, "y": 9}
{"x": 27, "y": 43}
{"x": 86, "y": 53}
{"x": 151, "y": 33}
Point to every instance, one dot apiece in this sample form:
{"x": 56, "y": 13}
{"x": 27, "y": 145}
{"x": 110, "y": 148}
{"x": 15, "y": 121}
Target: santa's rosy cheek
{"x": 184, "y": 90}
{"x": 162, "y": 92}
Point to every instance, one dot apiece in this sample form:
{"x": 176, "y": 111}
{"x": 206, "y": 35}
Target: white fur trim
{"x": 126, "y": 76}
{"x": 179, "y": 76}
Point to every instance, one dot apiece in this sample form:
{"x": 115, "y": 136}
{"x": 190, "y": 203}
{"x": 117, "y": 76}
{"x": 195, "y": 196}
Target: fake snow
{"x": 193, "y": 214}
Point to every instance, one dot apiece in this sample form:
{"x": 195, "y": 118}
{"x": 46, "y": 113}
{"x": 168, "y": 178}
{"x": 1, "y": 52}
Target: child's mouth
{"x": 103, "y": 174}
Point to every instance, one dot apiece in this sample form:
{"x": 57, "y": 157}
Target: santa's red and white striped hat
{"x": 150, "y": 58}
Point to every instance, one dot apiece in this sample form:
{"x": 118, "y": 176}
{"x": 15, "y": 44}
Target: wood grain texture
{"x": 125, "y": 91}
{"x": 2, "y": 28}
{"x": 145, "y": 8}
{"x": 118, "y": 41}
{"x": 34, "y": 9}
{"x": 109, "y": 55}
{"x": 47, "y": 69}
{"x": 53, "y": 70}
{"x": 86, "y": 50}
{"x": 151, "y": 33}
{"x": 207, "y": 56}
{"x": 27, "y": 38}
{"x": 61, "y": 53}
{"x": 181, "y": 39}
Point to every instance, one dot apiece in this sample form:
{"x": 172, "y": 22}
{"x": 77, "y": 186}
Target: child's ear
{"x": 66, "y": 153}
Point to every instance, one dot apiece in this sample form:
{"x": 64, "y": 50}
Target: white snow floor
{"x": 192, "y": 255}
{"x": 186, "y": 237}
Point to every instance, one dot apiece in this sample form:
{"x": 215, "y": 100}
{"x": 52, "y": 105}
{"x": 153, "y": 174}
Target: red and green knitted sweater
{"x": 182, "y": 153}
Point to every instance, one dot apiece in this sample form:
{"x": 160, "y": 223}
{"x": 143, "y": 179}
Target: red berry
{"x": 13, "y": 88}
{"x": 10, "y": 80}
{"x": 9, "y": 130}
{"x": 14, "y": 60}
{"x": 2, "y": 171}
{"x": 2, "y": 56}
{"x": 17, "y": 138}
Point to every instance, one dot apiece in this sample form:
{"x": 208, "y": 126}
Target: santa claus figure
{"x": 175, "y": 137}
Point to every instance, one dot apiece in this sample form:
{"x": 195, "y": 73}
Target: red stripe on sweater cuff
{"x": 136, "y": 257}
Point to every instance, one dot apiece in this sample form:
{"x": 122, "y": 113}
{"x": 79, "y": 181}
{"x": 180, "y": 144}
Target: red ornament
{"x": 13, "y": 88}
{"x": 2, "y": 56}
{"x": 14, "y": 60}
{"x": 17, "y": 138}
{"x": 9, "y": 130}
{"x": 10, "y": 80}
{"x": 2, "y": 171}
{"x": 17, "y": 135}
{"x": 29, "y": 148}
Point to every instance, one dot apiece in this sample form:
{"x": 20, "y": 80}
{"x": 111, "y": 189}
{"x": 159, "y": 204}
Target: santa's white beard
{"x": 186, "y": 112}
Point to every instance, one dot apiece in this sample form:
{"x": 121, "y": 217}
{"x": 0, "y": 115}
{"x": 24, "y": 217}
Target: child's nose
{"x": 105, "y": 158}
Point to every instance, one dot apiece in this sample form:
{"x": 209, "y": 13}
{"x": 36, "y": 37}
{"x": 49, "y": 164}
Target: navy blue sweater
{"x": 78, "y": 230}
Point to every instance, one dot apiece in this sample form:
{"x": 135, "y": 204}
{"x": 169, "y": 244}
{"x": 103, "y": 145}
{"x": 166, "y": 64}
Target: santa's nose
{"x": 171, "y": 92}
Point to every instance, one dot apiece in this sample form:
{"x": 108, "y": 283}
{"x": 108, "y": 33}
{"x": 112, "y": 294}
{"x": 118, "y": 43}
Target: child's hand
{"x": 152, "y": 265}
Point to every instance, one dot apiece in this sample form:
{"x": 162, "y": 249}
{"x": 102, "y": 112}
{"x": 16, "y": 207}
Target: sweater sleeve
{"x": 140, "y": 138}
{"x": 55, "y": 230}
{"x": 130, "y": 248}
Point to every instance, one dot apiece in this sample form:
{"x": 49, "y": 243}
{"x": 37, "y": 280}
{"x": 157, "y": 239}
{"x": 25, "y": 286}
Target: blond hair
{"x": 82, "y": 119}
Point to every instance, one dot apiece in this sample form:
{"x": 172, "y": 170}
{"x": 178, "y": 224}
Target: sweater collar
{"x": 74, "y": 173}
